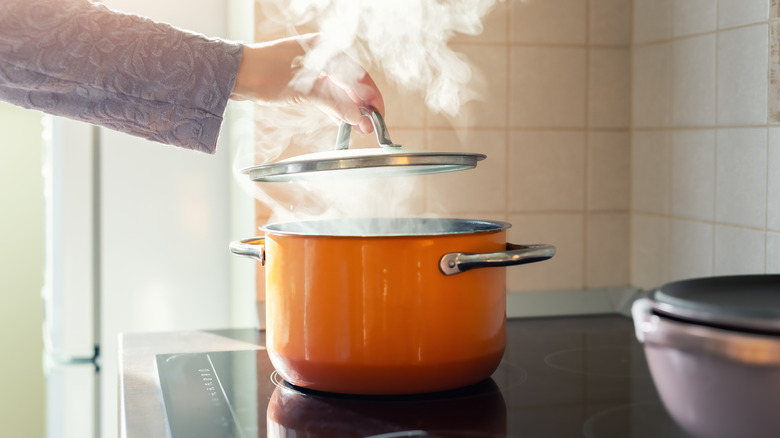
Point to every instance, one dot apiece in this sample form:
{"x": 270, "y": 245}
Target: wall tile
{"x": 494, "y": 27}
{"x": 741, "y": 185}
{"x": 740, "y": 12}
{"x": 742, "y": 76}
{"x": 609, "y": 170}
{"x": 649, "y": 251}
{"x": 651, "y": 86}
{"x": 693, "y": 81}
{"x": 773, "y": 176}
{"x": 565, "y": 270}
{"x": 694, "y": 16}
{"x": 652, "y": 20}
{"x": 547, "y": 87}
{"x": 482, "y": 189}
{"x": 650, "y": 172}
{"x": 548, "y": 21}
{"x": 738, "y": 251}
{"x": 774, "y": 8}
{"x": 609, "y": 89}
{"x": 548, "y": 172}
{"x": 610, "y": 22}
{"x": 774, "y": 72}
{"x": 693, "y": 174}
{"x": 772, "y": 253}
{"x": 489, "y": 81}
{"x": 607, "y": 257}
{"x": 690, "y": 250}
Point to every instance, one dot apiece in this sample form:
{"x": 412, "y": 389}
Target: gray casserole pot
{"x": 713, "y": 348}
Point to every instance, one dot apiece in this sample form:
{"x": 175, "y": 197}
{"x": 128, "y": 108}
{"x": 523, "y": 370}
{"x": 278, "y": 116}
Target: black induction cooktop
{"x": 560, "y": 377}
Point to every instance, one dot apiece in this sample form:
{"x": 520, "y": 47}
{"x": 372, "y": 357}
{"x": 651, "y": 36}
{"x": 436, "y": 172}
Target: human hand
{"x": 273, "y": 73}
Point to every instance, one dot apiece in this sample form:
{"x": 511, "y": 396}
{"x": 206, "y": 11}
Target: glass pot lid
{"x": 745, "y": 302}
{"x": 387, "y": 160}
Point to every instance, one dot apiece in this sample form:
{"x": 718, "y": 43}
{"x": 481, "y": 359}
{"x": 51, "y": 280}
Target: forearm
{"x": 81, "y": 60}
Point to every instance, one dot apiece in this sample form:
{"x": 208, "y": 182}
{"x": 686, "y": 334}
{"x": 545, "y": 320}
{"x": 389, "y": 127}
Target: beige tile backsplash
{"x": 609, "y": 163}
{"x": 548, "y": 87}
{"x": 548, "y": 21}
{"x": 650, "y": 85}
{"x": 693, "y": 81}
{"x": 773, "y": 183}
{"x": 610, "y": 22}
{"x": 741, "y": 181}
{"x": 694, "y": 16}
{"x": 740, "y": 12}
{"x": 693, "y": 174}
{"x": 609, "y": 88}
{"x": 635, "y": 135}
{"x": 653, "y": 20}
{"x": 546, "y": 171}
{"x": 742, "y": 75}
{"x": 723, "y": 168}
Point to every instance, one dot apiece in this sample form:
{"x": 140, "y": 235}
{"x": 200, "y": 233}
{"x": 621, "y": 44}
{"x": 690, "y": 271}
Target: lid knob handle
{"x": 380, "y": 129}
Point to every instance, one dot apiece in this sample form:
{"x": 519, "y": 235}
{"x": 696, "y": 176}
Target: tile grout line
{"x": 569, "y": 212}
{"x": 625, "y": 129}
{"x": 766, "y": 202}
{"x": 768, "y": 117}
{"x": 715, "y": 148}
{"x": 704, "y": 128}
{"x": 631, "y": 172}
{"x": 700, "y": 34}
{"x": 540, "y": 44}
{"x": 427, "y": 144}
{"x": 586, "y": 159}
{"x": 530, "y": 128}
{"x": 696, "y": 221}
{"x": 507, "y": 116}
{"x": 669, "y": 150}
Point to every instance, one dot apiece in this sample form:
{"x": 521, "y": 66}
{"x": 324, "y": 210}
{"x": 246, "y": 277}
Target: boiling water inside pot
{"x": 386, "y": 227}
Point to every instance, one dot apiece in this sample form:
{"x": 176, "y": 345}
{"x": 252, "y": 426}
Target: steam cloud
{"x": 405, "y": 39}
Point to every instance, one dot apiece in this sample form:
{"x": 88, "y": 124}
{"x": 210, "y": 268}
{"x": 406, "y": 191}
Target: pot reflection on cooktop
{"x": 560, "y": 377}
{"x": 478, "y": 410}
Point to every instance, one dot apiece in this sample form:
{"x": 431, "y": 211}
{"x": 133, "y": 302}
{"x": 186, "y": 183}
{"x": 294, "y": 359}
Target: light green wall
{"x": 21, "y": 272}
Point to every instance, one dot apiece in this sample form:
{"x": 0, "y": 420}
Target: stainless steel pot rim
{"x": 384, "y": 227}
{"x": 744, "y": 303}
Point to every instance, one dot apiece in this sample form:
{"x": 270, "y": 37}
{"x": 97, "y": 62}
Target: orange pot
{"x": 386, "y": 306}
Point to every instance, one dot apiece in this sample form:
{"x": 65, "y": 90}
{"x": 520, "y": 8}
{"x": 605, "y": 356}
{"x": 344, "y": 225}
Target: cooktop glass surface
{"x": 560, "y": 377}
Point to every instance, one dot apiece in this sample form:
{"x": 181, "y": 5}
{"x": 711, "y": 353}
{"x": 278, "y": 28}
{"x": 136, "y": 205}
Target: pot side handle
{"x": 644, "y": 320}
{"x": 253, "y": 248}
{"x": 457, "y": 262}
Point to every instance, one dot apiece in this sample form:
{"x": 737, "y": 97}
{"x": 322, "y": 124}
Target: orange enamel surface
{"x": 345, "y": 313}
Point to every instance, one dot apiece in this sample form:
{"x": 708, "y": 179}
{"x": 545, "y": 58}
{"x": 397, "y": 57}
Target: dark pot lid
{"x": 746, "y": 303}
{"x": 388, "y": 160}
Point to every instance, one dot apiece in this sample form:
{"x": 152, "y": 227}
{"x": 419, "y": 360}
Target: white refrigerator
{"x": 137, "y": 238}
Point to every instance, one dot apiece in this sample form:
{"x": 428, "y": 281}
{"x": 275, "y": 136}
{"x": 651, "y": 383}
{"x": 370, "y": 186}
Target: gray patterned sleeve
{"x": 84, "y": 61}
